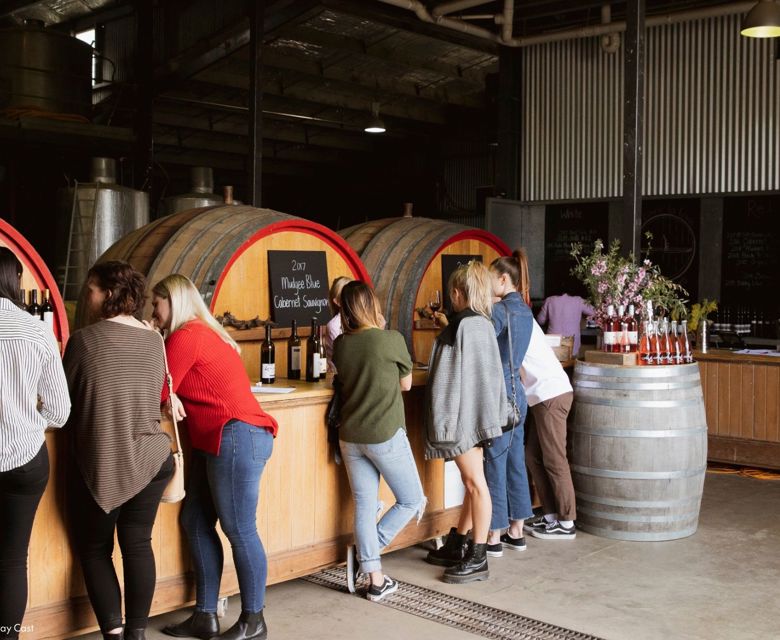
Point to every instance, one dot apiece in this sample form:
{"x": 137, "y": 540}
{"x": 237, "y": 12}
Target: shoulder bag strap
{"x": 511, "y": 360}
{"x": 169, "y": 384}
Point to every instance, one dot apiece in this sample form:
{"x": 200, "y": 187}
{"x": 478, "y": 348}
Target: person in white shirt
{"x": 34, "y": 397}
{"x": 549, "y": 395}
{"x": 333, "y": 329}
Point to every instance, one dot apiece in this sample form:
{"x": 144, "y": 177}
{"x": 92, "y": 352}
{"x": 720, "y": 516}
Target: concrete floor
{"x": 722, "y": 583}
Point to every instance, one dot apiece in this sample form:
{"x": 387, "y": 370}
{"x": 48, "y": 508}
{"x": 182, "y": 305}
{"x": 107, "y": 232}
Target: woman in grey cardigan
{"x": 466, "y": 409}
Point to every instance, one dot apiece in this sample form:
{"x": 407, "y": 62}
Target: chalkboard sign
{"x": 565, "y": 224}
{"x": 751, "y": 244}
{"x": 448, "y": 264}
{"x": 299, "y": 287}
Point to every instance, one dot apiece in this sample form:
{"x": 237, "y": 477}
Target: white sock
{"x": 567, "y": 523}
{"x": 551, "y": 517}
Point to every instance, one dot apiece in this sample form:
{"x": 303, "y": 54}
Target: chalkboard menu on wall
{"x": 448, "y": 264}
{"x": 674, "y": 225}
{"x": 299, "y": 286}
{"x": 564, "y": 225}
{"x": 751, "y": 244}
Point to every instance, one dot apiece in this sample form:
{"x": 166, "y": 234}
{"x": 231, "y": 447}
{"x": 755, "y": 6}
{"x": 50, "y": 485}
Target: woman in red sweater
{"x": 232, "y": 439}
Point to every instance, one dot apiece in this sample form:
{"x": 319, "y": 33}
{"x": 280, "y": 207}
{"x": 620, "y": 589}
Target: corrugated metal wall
{"x": 712, "y": 119}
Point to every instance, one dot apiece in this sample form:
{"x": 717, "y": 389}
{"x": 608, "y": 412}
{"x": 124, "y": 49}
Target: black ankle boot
{"x": 474, "y": 567}
{"x": 199, "y": 625}
{"x": 452, "y": 552}
{"x": 135, "y": 634}
{"x": 249, "y": 626}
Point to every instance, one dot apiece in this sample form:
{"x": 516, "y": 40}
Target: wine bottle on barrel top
{"x": 313, "y": 354}
{"x": 47, "y": 311}
{"x": 34, "y": 308}
{"x": 268, "y": 358}
{"x": 294, "y": 354}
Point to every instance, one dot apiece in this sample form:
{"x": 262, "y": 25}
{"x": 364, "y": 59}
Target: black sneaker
{"x": 516, "y": 544}
{"x": 375, "y": 594}
{"x": 353, "y": 568}
{"x": 555, "y": 531}
{"x": 495, "y": 550}
{"x": 533, "y": 523}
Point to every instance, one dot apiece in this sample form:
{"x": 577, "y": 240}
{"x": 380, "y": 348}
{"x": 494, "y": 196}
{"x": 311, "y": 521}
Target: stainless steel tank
{"x": 202, "y": 185}
{"x": 96, "y": 215}
{"x": 45, "y": 70}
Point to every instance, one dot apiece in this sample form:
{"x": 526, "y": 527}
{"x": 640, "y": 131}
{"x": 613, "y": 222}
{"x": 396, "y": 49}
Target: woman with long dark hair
{"x": 35, "y": 396}
{"x": 121, "y": 456}
{"x": 374, "y": 367}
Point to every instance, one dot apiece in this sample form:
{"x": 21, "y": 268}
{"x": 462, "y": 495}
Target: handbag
{"x": 513, "y": 415}
{"x": 174, "y": 492}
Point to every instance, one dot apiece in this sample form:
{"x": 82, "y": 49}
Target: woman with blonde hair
{"x": 374, "y": 368}
{"x": 466, "y": 410}
{"x": 232, "y": 439}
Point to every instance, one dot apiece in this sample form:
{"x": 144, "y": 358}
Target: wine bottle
{"x": 633, "y": 334}
{"x": 47, "y": 311}
{"x": 676, "y": 356}
{"x": 646, "y": 345}
{"x": 268, "y": 358}
{"x": 313, "y": 354}
{"x": 33, "y": 308}
{"x": 323, "y": 357}
{"x": 22, "y": 300}
{"x": 624, "y": 344}
{"x": 685, "y": 343}
{"x": 294, "y": 354}
{"x": 610, "y": 330}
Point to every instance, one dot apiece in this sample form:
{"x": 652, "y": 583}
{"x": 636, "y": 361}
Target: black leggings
{"x": 93, "y": 536}
{"x": 20, "y": 492}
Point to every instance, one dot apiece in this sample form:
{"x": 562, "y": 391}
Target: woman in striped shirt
{"x": 35, "y": 396}
{"x": 115, "y": 369}
{"x": 232, "y": 439}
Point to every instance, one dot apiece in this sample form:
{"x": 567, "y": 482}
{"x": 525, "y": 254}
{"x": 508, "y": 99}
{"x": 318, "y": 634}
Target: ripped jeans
{"x": 393, "y": 460}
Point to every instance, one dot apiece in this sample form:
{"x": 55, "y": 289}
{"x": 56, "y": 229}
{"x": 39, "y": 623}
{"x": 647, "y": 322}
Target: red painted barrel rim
{"x": 472, "y": 234}
{"x": 20, "y": 245}
{"x": 330, "y": 237}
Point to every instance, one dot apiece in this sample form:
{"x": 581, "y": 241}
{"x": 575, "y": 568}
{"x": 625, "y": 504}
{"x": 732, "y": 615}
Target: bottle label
{"x": 315, "y": 364}
{"x": 610, "y": 337}
{"x": 295, "y": 365}
{"x": 268, "y": 371}
{"x": 633, "y": 337}
{"x": 48, "y": 319}
{"x": 323, "y": 366}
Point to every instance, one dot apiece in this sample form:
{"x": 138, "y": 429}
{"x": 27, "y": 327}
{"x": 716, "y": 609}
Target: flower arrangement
{"x": 700, "y": 311}
{"x": 613, "y": 279}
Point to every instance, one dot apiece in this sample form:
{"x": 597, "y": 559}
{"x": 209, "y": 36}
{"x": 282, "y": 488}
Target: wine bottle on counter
{"x": 47, "y": 311}
{"x": 323, "y": 357}
{"x": 268, "y": 358}
{"x": 294, "y": 354}
{"x": 313, "y": 354}
{"x": 33, "y": 308}
{"x": 22, "y": 300}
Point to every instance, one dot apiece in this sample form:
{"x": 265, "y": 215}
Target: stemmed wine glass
{"x": 435, "y": 304}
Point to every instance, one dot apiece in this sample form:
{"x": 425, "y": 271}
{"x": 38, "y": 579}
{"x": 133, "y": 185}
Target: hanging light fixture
{"x": 375, "y": 125}
{"x": 763, "y": 20}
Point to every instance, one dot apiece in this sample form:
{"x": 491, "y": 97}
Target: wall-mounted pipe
{"x": 570, "y": 34}
{"x": 611, "y": 41}
{"x": 507, "y": 21}
{"x": 456, "y": 5}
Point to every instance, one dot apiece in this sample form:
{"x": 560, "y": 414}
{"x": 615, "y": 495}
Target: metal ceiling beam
{"x": 379, "y": 86}
{"x": 342, "y": 95}
{"x": 12, "y": 6}
{"x": 400, "y": 19}
{"x": 368, "y": 51}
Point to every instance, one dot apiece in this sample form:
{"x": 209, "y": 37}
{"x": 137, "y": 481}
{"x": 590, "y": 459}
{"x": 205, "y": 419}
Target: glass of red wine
{"x": 435, "y": 304}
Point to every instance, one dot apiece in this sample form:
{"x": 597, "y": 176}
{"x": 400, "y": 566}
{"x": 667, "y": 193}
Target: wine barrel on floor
{"x": 638, "y": 443}
{"x": 223, "y": 250}
{"x": 404, "y": 259}
{"x": 36, "y": 276}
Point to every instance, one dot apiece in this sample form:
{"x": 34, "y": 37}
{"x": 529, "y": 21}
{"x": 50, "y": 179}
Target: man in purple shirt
{"x": 563, "y": 314}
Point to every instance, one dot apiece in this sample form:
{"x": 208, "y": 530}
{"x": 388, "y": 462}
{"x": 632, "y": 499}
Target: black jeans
{"x": 93, "y": 537}
{"x": 20, "y": 492}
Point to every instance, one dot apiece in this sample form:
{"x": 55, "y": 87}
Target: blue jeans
{"x": 394, "y": 461}
{"x": 226, "y": 487}
{"x": 507, "y": 479}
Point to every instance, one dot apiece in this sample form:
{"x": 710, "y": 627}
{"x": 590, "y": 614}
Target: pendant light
{"x": 763, "y": 20}
{"x": 375, "y": 125}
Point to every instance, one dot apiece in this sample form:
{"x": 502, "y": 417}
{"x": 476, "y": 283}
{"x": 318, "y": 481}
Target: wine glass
{"x": 435, "y": 304}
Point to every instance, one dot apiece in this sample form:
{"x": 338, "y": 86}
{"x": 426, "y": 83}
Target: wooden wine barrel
{"x": 36, "y": 275}
{"x": 638, "y": 450}
{"x": 223, "y": 250}
{"x": 403, "y": 257}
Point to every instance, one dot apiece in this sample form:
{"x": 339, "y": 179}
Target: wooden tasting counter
{"x": 304, "y": 516}
{"x": 742, "y": 402}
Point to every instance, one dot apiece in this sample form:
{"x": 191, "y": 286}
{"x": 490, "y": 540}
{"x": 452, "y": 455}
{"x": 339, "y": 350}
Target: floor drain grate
{"x": 465, "y": 615}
